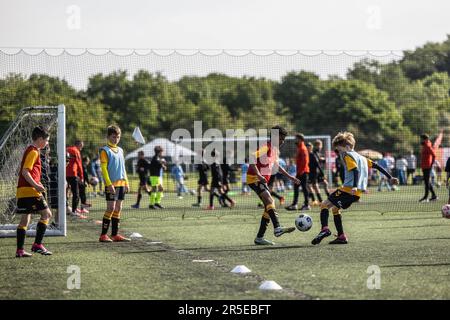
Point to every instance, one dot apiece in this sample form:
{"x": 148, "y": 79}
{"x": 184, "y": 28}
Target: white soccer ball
{"x": 93, "y": 181}
{"x": 303, "y": 222}
{"x": 446, "y": 211}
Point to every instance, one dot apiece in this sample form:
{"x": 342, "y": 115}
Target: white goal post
{"x": 12, "y": 145}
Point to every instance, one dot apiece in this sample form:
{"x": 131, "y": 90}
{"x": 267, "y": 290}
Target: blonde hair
{"x": 318, "y": 142}
{"x": 344, "y": 139}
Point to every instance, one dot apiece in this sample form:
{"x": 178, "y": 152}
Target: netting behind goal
{"x": 384, "y": 98}
{"x": 12, "y": 146}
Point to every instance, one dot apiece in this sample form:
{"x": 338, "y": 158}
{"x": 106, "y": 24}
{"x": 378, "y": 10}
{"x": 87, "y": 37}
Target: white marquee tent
{"x": 170, "y": 150}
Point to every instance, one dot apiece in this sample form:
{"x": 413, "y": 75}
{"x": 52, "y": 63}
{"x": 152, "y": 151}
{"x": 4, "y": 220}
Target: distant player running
{"x": 202, "y": 182}
{"x": 355, "y": 183}
{"x": 262, "y": 163}
{"x": 142, "y": 167}
{"x": 216, "y": 189}
{"x": 113, "y": 169}
{"x": 29, "y": 195}
{"x": 157, "y": 165}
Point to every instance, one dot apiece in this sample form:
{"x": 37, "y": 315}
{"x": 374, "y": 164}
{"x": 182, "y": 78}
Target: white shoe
{"x": 282, "y": 230}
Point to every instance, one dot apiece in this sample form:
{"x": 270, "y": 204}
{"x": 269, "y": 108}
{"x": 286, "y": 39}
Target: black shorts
{"x": 202, "y": 182}
{"x": 279, "y": 176}
{"x": 341, "y": 199}
{"x": 31, "y": 205}
{"x": 119, "y": 195}
{"x": 216, "y": 184}
{"x": 313, "y": 178}
{"x": 259, "y": 187}
{"x": 225, "y": 181}
{"x": 321, "y": 178}
{"x": 144, "y": 180}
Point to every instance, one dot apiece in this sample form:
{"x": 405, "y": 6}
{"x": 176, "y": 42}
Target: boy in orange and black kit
{"x": 263, "y": 161}
{"x": 29, "y": 195}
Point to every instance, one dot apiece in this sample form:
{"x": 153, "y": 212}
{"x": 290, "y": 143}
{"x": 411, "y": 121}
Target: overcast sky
{"x": 226, "y": 24}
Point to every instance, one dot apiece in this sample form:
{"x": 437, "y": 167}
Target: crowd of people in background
{"x": 308, "y": 165}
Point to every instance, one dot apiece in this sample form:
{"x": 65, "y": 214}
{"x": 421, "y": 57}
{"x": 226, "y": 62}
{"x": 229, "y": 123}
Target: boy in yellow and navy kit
{"x": 29, "y": 194}
{"x": 112, "y": 163}
{"x": 356, "y": 169}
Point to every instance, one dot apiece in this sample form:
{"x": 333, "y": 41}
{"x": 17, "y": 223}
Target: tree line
{"x": 385, "y": 105}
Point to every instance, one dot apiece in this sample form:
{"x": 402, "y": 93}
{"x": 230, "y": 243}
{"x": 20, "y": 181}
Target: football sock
{"x": 311, "y": 195}
{"x": 211, "y": 199}
{"x": 139, "y": 197}
{"x": 319, "y": 197}
{"x": 263, "y": 227}
{"x": 338, "y": 224}
{"x": 21, "y": 233}
{"x": 106, "y": 222}
{"x": 274, "y": 217}
{"x": 115, "y": 219}
{"x": 152, "y": 198}
{"x": 40, "y": 231}
{"x": 159, "y": 196}
{"x": 324, "y": 217}
{"x": 114, "y": 226}
{"x": 199, "y": 199}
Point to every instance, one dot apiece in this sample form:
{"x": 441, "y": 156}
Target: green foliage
{"x": 386, "y": 105}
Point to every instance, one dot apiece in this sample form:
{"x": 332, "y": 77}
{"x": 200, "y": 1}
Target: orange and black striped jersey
{"x": 266, "y": 157}
{"x": 31, "y": 161}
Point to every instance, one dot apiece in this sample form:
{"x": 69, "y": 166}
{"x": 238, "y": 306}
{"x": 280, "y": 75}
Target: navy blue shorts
{"x": 119, "y": 195}
{"x": 341, "y": 199}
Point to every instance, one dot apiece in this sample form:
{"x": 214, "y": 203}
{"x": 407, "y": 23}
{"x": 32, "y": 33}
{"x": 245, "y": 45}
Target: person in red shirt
{"x": 302, "y": 173}
{"x": 30, "y": 199}
{"x": 75, "y": 176}
{"x": 427, "y": 158}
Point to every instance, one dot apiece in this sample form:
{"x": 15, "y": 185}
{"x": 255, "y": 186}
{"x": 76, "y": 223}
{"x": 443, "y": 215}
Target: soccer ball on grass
{"x": 446, "y": 211}
{"x": 303, "y": 222}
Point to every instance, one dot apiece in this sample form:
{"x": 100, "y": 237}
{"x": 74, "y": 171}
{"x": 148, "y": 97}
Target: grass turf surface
{"x": 411, "y": 249}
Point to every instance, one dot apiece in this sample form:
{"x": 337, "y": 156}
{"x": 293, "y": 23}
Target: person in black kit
{"x": 322, "y": 161}
{"x": 447, "y": 169}
{"x": 142, "y": 168}
{"x": 157, "y": 164}
{"x": 226, "y": 170}
{"x": 216, "y": 182}
{"x": 83, "y": 185}
{"x": 314, "y": 171}
{"x": 202, "y": 169}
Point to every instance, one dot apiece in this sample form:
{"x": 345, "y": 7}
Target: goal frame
{"x": 60, "y": 227}
{"x": 327, "y": 147}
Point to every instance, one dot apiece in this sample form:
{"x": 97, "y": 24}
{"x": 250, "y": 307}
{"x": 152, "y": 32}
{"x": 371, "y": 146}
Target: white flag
{"x": 137, "y": 135}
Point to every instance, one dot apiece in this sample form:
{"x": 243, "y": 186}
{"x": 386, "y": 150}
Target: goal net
{"x": 384, "y": 98}
{"x": 12, "y": 146}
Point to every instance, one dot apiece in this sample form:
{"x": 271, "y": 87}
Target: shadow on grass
{"x": 224, "y": 249}
{"x": 421, "y": 239}
{"x": 405, "y": 227}
{"x": 415, "y": 265}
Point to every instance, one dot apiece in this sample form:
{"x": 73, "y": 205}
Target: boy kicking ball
{"x": 258, "y": 175}
{"x": 355, "y": 183}
{"x": 29, "y": 195}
